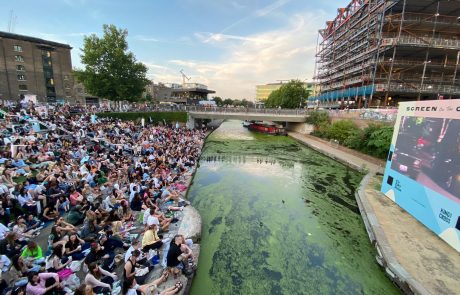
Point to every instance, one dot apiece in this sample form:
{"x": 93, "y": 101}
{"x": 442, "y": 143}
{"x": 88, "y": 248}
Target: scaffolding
{"x": 380, "y": 52}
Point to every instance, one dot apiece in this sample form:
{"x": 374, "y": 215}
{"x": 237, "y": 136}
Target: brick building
{"x": 33, "y": 66}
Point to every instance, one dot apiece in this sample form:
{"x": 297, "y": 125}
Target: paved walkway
{"x": 341, "y": 154}
{"x": 417, "y": 259}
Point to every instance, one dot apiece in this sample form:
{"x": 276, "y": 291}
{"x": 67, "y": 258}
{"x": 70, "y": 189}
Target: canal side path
{"x": 415, "y": 258}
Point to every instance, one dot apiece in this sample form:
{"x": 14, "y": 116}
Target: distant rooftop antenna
{"x": 12, "y": 21}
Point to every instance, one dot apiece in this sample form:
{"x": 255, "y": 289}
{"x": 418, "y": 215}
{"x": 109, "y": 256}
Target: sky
{"x": 229, "y": 45}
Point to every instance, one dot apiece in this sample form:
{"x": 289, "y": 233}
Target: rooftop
{"x": 33, "y": 39}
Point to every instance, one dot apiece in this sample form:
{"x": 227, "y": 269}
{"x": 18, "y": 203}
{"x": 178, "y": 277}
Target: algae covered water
{"x": 279, "y": 218}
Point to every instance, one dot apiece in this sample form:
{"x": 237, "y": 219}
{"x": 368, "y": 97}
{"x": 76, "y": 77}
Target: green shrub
{"x": 341, "y": 130}
{"x": 373, "y": 140}
{"x": 379, "y": 141}
{"x": 318, "y": 118}
{"x": 355, "y": 140}
{"x": 156, "y": 116}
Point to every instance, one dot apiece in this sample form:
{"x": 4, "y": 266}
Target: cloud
{"x": 258, "y": 13}
{"x": 183, "y": 63}
{"x": 247, "y": 63}
{"x": 272, "y": 7}
{"x": 207, "y": 37}
{"x": 145, "y": 38}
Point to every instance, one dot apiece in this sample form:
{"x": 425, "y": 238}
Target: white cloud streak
{"x": 246, "y": 61}
{"x": 145, "y": 38}
{"x": 258, "y": 13}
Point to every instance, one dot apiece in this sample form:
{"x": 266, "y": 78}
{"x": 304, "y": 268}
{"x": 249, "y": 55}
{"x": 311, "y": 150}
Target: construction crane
{"x": 184, "y": 76}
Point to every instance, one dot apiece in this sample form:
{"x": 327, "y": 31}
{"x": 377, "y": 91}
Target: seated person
{"x": 76, "y": 216}
{"x": 27, "y": 202}
{"x": 110, "y": 243}
{"x": 99, "y": 279}
{"x": 64, "y": 228}
{"x": 9, "y": 246}
{"x": 178, "y": 255}
{"x": 24, "y": 266}
{"x": 150, "y": 240}
{"x": 50, "y": 213}
{"x": 32, "y": 222}
{"x": 20, "y": 228}
{"x": 97, "y": 254}
{"x": 75, "y": 247}
{"x": 131, "y": 287}
{"x": 132, "y": 265}
{"x": 44, "y": 283}
{"x": 56, "y": 261}
{"x": 75, "y": 197}
{"x": 33, "y": 253}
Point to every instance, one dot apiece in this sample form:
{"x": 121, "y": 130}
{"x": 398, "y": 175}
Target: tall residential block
{"x": 33, "y": 66}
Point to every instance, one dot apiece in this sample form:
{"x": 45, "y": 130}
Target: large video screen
{"x": 422, "y": 173}
{"x": 428, "y": 151}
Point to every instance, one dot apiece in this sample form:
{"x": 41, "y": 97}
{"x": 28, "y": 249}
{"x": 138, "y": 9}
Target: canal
{"x": 279, "y": 218}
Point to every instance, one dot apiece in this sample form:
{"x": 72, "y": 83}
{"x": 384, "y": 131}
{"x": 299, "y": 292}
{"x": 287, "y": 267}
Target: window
{"x": 19, "y": 58}
{"x": 22, "y": 87}
{"x": 21, "y": 77}
{"x": 17, "y": 48}
{"x": 20, "y": 68}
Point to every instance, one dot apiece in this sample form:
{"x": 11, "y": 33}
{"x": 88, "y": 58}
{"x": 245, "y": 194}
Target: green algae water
{"x": 279, "y": 218}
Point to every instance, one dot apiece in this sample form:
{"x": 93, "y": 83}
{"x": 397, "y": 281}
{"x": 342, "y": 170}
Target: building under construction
{"x": 380, "y": 52}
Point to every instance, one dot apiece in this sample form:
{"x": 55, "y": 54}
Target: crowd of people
{"x": 108, "y": 190}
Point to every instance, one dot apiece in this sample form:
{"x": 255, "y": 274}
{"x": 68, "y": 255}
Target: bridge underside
{"x": 249, "y": 116}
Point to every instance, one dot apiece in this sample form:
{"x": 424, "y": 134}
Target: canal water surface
{"x": 279, "y": 218}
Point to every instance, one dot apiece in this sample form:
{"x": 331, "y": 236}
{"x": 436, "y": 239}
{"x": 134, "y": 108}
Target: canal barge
{"x": 267, "y": 128}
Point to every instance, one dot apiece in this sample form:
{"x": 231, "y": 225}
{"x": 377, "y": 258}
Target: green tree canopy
{"x": 218, "y": 100}
{"x": 111, "y": 71}
{"x": 290, "y": 95}
{"x": 228, "y": 101}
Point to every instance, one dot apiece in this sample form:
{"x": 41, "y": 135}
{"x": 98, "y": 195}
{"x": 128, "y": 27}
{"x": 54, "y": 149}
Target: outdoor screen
{"x": 428, "y": 151}
{"x": 422, "y": 173}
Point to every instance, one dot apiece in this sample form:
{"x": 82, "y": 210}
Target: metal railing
{"x": 421, "y": 41}
{"x": 239, "y": 110}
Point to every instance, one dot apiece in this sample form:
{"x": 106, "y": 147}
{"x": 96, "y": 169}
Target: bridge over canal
{"x": 217, "y": 113}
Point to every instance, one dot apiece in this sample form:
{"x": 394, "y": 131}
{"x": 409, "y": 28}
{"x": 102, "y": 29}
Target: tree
{"x": 290, "y": 95}
{"x": 228, "y": 101}
{"x": 218, "y": 100}
{"x": 111, "y": 71}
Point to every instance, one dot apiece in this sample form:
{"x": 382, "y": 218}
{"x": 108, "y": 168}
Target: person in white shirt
{"x": 135, "y": 245}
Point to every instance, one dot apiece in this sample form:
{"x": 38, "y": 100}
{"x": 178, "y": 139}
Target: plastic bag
{"x": 75, "y": 266}
{"x": 72, "y": 282}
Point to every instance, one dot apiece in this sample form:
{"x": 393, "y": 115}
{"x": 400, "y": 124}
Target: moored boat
{"x": 267, "y": 128}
